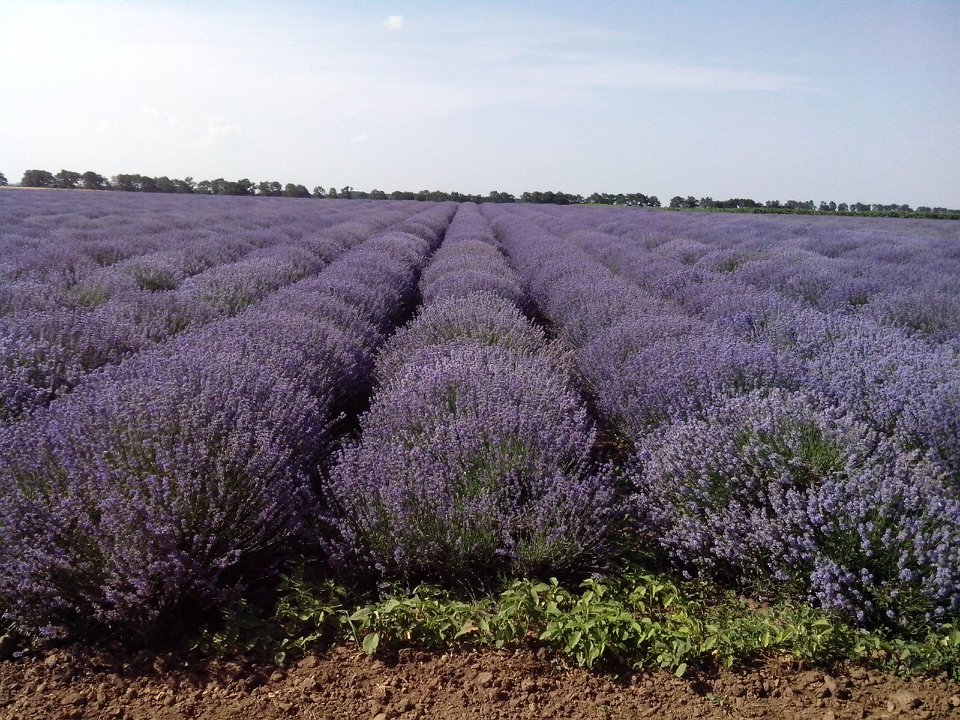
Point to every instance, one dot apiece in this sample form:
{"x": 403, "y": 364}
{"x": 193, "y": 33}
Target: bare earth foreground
{"x": 344, "y": 683}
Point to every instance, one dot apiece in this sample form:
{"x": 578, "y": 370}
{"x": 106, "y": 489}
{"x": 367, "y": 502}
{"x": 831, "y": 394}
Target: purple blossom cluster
{"x": 474, "y": 459}
{"x": 169, "y": 482}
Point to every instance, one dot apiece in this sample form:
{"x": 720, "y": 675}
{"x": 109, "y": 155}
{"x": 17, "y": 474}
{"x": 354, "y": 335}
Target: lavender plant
{"x": 474, "y": 461}
{"x": 777, "y": 485}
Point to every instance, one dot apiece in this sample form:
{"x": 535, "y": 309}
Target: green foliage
{"x": 88, "y": 295}
{"x": 308, "y": 612}
{"x": 634, "y": 621}
{"x": 38, "y": 178}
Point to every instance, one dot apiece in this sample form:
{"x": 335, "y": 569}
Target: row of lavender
{"x": 172, "y": 481}
{"x": 770, "y": 440}
{"x": 906, "y": 275}
{"x": 474, "y": 461}
{"x": 901, "y": 385}
{"x": 83, "y": 298}
{"x": 62, "y": 252}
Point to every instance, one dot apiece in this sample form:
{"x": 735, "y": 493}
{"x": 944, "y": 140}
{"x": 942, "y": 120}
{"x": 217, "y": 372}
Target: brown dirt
{"x": 344, "y": 683}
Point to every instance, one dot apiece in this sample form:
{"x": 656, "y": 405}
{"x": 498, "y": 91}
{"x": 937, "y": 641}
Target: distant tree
{"x": 843, "y": 207}
{"x": 93, "y": 181}
{"x": 165, "y": 184}
{"x": 67, "y": 179}
{"x": 319, "y": 191}
{"x": 923, "y": 209}
{"x": 186, "y": 186}
{"x": 38, "y": 178}
{"x": 346, "y": 192}
{"x": 375, "y": 194}
{"x": 205, "y": 187}
{"x": 676, "y": 202}
{"x": 332, "y": 193}
{"x": 297, "y": 191}
{"x": 3, "y": 180}
{"x": 219, "y": 186}
{"x": 269, "y": 188}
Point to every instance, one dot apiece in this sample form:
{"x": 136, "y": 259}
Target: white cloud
{"x": 394, "y": 22}
{"x": 358, "y": 139}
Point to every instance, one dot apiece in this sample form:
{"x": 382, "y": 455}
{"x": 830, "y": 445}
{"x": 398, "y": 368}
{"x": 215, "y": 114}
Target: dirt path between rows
{"x": 344, "y": 683}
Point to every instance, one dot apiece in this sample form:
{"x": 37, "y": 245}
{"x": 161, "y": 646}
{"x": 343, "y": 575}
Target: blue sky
{"x": 850, "y": 101}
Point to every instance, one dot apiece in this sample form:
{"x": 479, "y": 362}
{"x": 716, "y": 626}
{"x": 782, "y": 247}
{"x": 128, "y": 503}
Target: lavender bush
{"x": 161, "y": 492}
{"x": 473, "y": 462}
{"x": 480, "y": 318}
{"x": 776, "y": 485}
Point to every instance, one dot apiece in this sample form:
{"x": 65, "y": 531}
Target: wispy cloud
{"x": 394, "y": 22}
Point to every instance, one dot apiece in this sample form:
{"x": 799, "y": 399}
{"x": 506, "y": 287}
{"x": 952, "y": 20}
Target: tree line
{"x": 89, "y": 180}
{"x": 690, "y": 203}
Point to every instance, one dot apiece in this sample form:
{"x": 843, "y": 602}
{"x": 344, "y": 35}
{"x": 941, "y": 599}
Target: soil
{"x": 344, "y": 683}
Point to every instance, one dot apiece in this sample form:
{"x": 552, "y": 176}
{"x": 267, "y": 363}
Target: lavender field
{"x": 194, "y": 390}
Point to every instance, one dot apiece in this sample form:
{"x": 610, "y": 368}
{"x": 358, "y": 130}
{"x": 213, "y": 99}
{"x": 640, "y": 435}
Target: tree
{"x": 319, "y": 191}
{"x": 269, "y": 188}
{"x": 185, "y": 186}
{"x": 67, "y": 179}
{"x": 3, "y": 180}
{"x": 93, "y": 181}
{"x": 297, "y": 191}
{"x": 843, "y": 207}
{"x": 332, "y": 193}
{"x": 38, "y": 178}
{"x": 165, "y": 184}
